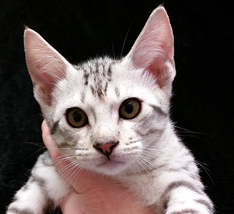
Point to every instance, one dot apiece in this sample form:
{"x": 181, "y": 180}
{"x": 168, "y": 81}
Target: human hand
{"x": 92, "y": 193}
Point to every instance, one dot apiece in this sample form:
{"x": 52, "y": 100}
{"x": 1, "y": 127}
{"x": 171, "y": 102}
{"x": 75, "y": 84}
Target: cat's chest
{"x": 145, "y": 186}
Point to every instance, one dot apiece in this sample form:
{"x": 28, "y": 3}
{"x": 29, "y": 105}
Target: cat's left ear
{"x": 45, "y": 65}
{"x": 154, "y": 49}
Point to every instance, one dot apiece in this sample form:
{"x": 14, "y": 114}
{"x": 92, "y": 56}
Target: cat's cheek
{"x": 147, "y": 126}
{"x": 59, "y": 139}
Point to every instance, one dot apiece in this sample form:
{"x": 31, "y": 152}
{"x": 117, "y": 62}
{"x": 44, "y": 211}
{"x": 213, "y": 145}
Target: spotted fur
{"x": 142, "y": 152}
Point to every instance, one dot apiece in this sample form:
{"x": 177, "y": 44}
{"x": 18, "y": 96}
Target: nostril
{"x": 105, "y": 148}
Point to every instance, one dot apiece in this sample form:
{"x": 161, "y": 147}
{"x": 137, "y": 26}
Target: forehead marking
{"x": 98, "y": 77}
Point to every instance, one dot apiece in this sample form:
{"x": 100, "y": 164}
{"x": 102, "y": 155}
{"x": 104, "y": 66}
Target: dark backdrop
{"x": 80, "y": 29}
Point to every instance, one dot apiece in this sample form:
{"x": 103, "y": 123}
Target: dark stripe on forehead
{"x": 100, "y": 90}
{"x": 106, "y": 86}
{"x": 97, "y": 67}
{"x": 97, "y": 74}
{"x": 86, "y": 76}
{"x": 117, "y": 92}
{"x": 109, "y": 72}
{"x": 92, "y": 89}
{"x": 82, "y": 97}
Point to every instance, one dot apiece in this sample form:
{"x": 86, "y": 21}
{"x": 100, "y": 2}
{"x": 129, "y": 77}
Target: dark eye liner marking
{"x": 158, "y": 110}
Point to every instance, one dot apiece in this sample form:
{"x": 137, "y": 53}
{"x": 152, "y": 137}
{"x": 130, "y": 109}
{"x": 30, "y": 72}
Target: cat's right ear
{"x": 45, "y": 65}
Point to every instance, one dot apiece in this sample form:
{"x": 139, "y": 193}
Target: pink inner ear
{"x": 45, "y": 73}
{"x": 45, "y": 84}
{"x": 154, "y": 46}
{"x": 46, "y": 66}
{"x": 160, "y": 71}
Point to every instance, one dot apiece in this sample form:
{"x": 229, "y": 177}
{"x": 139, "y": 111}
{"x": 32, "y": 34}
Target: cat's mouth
{"x": 111, "y": 164}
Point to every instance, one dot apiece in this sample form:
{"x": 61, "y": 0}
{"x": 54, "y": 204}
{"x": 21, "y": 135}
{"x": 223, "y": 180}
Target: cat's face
{"x": 109, "y": 120}
{"x": 107, "y": 115}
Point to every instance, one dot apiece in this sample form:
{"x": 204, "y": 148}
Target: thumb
{"x": 60, "y": 162}
{"x": 80, "y": 179}
{"x": 98, "y": 188}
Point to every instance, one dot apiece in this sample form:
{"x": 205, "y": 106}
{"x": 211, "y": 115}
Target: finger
{"x": 81, "y": 179}
{"x": 96, "y": 186}
{"x": 55, "y": 154}
{"x": 115, "y": 200}
{"x": 48, "y": 141}
{"x": 63, "y": 166}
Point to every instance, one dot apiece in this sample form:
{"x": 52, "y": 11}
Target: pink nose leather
{"x": 106, "y": 148}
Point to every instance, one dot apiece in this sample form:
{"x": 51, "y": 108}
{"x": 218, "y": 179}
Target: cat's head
{"x": 108, "y": 115}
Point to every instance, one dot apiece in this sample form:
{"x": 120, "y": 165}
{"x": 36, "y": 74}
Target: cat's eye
{"x": 130, "y": 108}
{"x": 76, "y": 117}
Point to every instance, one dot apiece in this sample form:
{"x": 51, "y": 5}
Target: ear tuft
{"x": 45, "y": 65}
{"x": 154, "y": 48}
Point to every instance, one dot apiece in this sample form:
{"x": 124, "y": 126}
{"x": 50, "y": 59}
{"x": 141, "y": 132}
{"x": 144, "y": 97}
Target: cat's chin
{"x": 111, "y": 167}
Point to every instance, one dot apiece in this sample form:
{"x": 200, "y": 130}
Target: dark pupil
{"x": 77, "y": 116}
{"x": 128, "y": 108}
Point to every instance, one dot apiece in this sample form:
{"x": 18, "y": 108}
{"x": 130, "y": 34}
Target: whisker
{"x": 38, "y": 151}
{"x": 146, "y": 159}
{"x": 125, "y": 39}
{"x": 144, "y": 165}
{"x": 113, "y": 50}
{"x": 206, "y": 170}
{"x": 188, "y": 133}
{"x": 42, "y": 148}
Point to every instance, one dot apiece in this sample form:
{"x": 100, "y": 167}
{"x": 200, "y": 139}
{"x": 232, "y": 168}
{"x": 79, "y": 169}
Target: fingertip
{"x": 47, "y": 139}
{"x": 44, "y": 125}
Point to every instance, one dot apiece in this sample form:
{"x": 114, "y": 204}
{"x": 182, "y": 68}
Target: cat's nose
{"x": 106, "y": 148}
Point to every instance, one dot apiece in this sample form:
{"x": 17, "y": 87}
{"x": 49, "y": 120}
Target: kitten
{"x": 112, "y": 117}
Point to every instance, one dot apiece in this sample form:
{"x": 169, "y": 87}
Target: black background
{"x": 80, "y": 29}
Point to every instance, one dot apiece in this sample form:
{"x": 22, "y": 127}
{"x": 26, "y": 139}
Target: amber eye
{"x": 76, "y": 117}
{"x": 130, "y": 108}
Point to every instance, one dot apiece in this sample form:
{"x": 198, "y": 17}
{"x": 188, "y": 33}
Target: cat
{"x": 112, "y": 117}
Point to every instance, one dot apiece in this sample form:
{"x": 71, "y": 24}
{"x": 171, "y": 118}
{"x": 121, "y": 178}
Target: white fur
{"x": 149, "y": 159}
